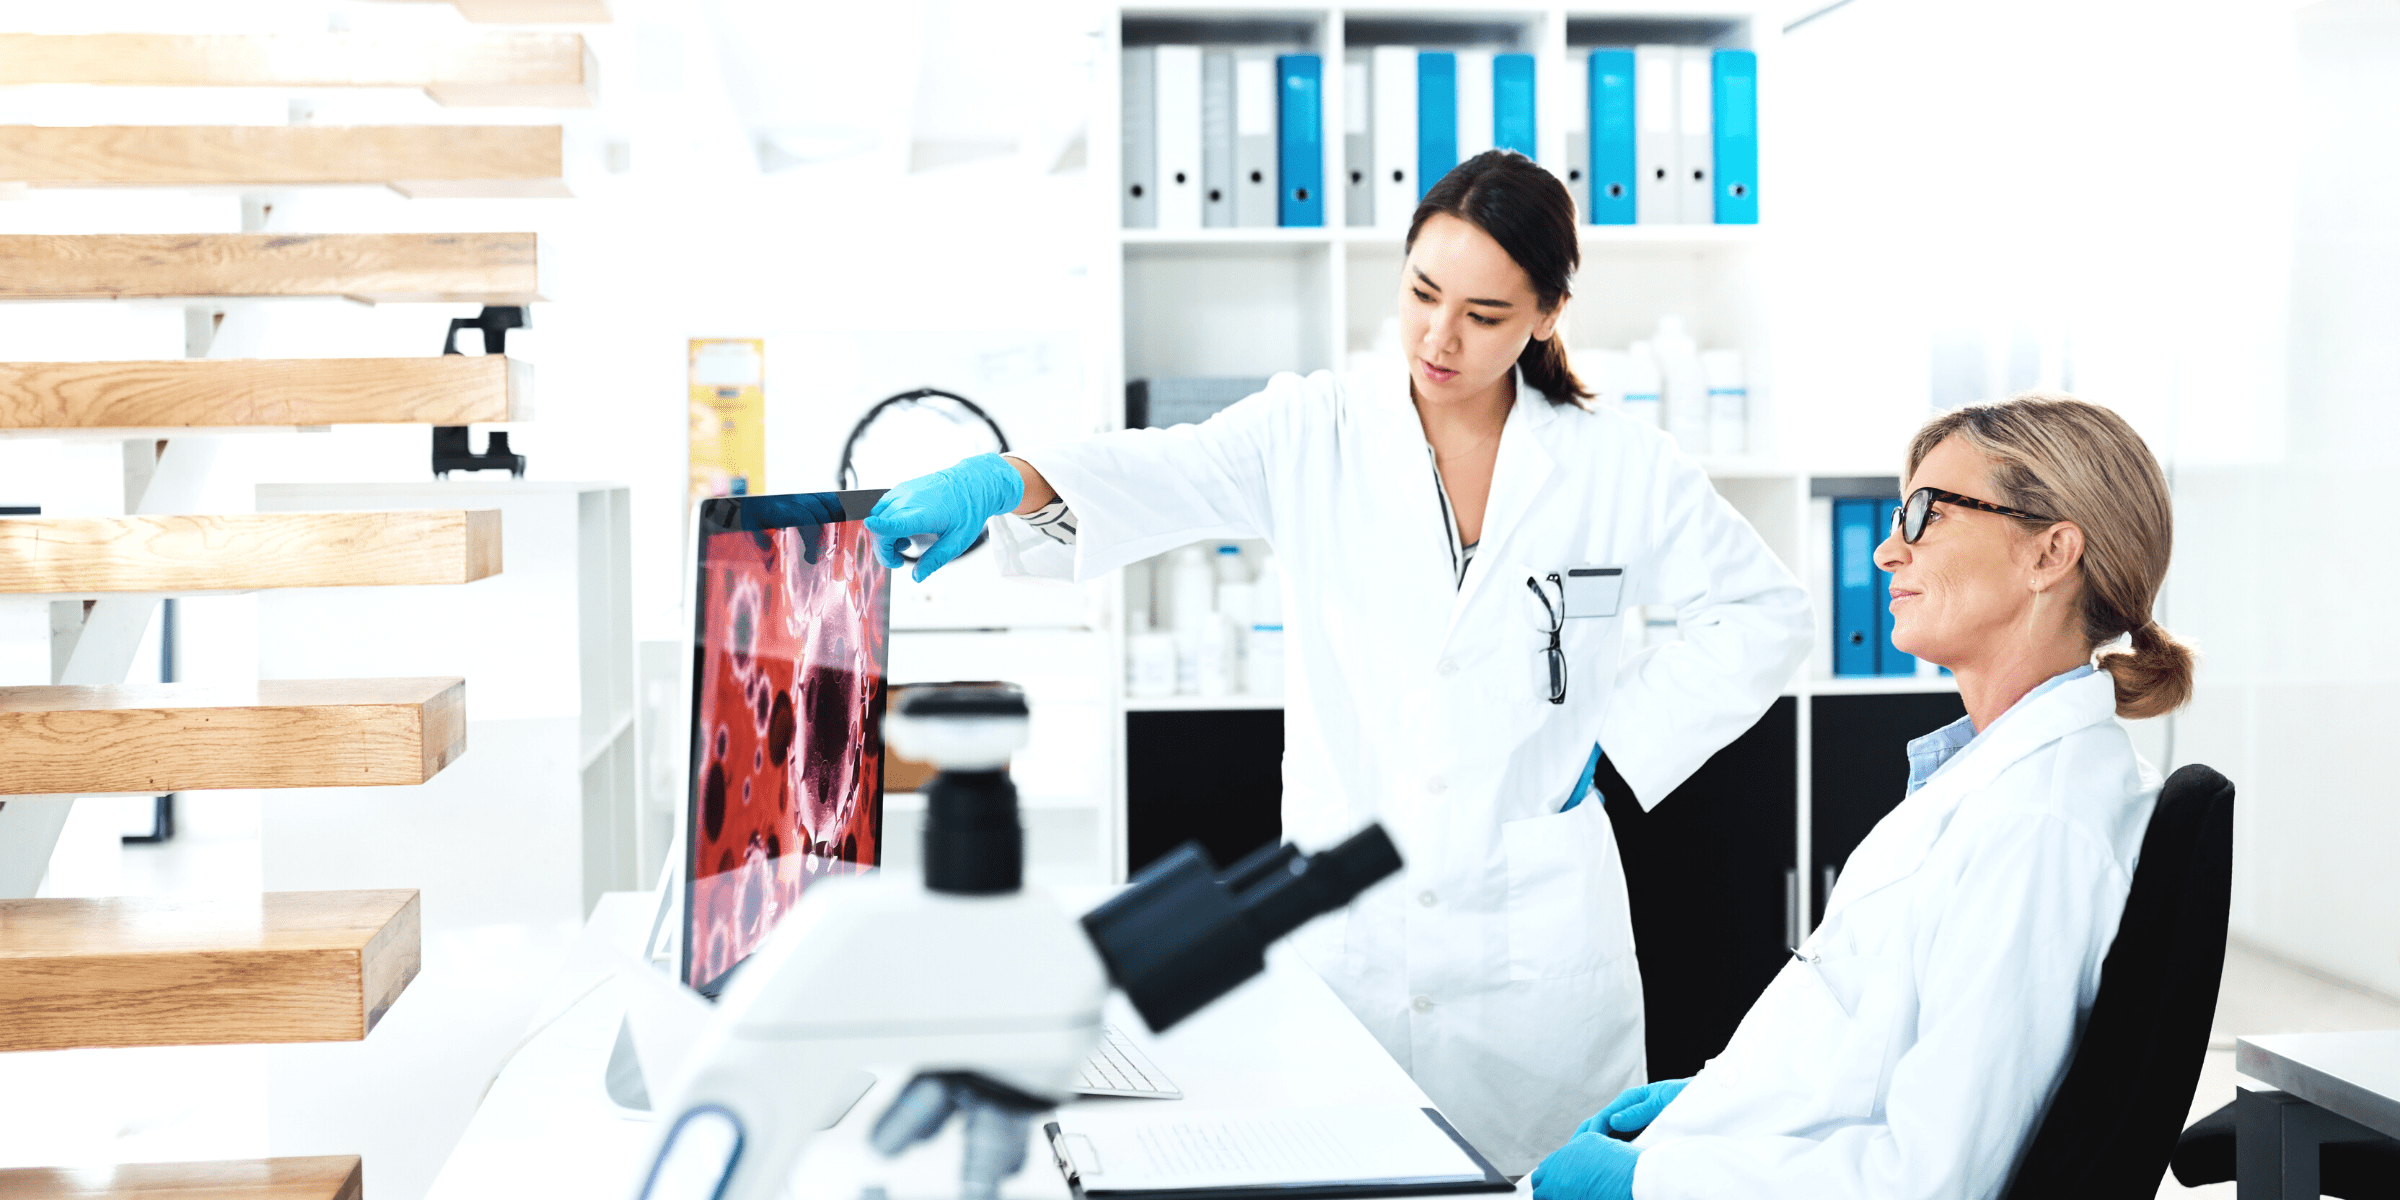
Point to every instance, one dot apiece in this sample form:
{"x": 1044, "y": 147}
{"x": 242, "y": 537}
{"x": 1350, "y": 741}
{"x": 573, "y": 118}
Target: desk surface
{"x": 546, "y": 1128}
{"x": 2354, "y": 1075}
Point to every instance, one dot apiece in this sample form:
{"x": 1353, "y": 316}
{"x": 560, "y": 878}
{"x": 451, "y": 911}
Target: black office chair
{"x": 2112, "y": 1125}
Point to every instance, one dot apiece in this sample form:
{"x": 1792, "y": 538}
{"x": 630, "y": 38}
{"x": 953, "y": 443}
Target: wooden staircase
{"x": 138, "y": 971}
{"x": 206, "y": 393}
{"x": 414, "y": 160}
{"x": 487, "y": 268}
{"x": 335, "y": 1177}
{"x": 539, "y": 70}
{"x": 279, "y": 967}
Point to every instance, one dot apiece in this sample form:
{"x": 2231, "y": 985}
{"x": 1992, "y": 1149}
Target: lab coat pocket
{"x": 1871, "y": 994}
{"x": 1566, "y": 895}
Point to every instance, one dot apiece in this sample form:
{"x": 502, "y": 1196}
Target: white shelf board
{"x": 1251, "y": 236}
{"x": 914, "y": 802}
{"x": 1200, "y": 703}
{"x": 1593, "y": 237}
{"x": 1881, "y": 685}
{"x": 597, "y": 745}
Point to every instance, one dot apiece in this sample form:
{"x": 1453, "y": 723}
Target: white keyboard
{"x": 1118, "y": 1068}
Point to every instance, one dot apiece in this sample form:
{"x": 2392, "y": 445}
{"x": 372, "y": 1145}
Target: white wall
{"x": 2185, "y": 211}
{"x": 2286, "y": 567}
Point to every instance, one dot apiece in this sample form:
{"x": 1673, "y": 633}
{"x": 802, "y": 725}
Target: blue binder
{"x": 1612, "y": 137}
{"x": 1300, "y": 148}
{"x": 1437, "y": 117}
{"x": 1512, "y": 103}
{"x": 1855, "y": 629}
{"x": 1734, "y": 92}
{"x": 1889, "y": 659}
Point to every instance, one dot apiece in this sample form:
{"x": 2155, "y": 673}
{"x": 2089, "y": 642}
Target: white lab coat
{"x": 1912, "y": 1054}
{"x": 1498, "y": 968}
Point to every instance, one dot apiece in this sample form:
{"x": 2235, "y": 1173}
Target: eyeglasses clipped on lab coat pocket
{"x": 1566, "y": 906}
{"x": 1869, "y": 995}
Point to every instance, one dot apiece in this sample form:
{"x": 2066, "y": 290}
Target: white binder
{"x": 1695, "y": 137}
{"x": 1657, "y": 150}
{"x": 1576, "y": 86}
{"x": 1358, "y": 137}
{"x": 1137, "y": 140}
{"x": 1216, "y": 139}
{"x": 1254, "y": 178}
{"x": 1395, "y": 83}
{"x": 1178, "y": 141}
{"x": 1474, "y": 103}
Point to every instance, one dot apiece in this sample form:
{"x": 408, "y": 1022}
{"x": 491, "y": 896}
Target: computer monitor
{"x": 788, "y": 659}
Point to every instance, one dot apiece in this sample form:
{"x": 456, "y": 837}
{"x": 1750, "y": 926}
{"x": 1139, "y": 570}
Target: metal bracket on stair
{"x": 452, "y": 451}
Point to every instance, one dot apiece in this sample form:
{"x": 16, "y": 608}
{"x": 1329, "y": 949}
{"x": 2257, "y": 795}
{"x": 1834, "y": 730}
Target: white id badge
{"x": 1593, "y": 591}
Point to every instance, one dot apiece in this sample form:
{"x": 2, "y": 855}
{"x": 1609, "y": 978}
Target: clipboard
{"x": 1491, "y": 1181}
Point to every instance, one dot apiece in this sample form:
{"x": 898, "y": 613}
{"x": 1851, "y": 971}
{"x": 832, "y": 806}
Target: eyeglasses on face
{"x": 1908, "y": 520}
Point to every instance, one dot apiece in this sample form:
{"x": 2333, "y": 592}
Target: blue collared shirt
{"x": 1927, "y": 754}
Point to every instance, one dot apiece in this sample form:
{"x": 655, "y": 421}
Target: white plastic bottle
{"x": 1262, "y": 657}
{"x": 1220, "y": 661}
{"x": 1191, "y": 590}
{"x": 1644, "y": 394}
{"x": 1150, "y": 665}
{"x": 1728, "y": 402}
{"x": 1686, "y": 392}
{"x": 1605, "y": 372}
{"x": 1232, "y": 567}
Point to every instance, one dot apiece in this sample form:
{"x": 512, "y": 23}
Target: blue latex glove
{"x": 1634, "y": 1108}
{"x": 1591, "y": 1166}
{"x": 950, "y": 504}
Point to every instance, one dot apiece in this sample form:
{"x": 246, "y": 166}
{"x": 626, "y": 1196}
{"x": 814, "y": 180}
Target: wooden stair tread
{"x": 331, "y": 1177}
{"x": 163, "y": 971}
{"x": 247, "y": 551}
{"x": 442, "y": 389}
{"x": 276, "y": 733}
{"x": 415, "y": 160}
{"x": 487, "y": 268}
{"x": 533, "y": 12}
{"x": 539, "y": 69}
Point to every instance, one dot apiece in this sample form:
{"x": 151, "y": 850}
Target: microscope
{"x": 987, "y": 996}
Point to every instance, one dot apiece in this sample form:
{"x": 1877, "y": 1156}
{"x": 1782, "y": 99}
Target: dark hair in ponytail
{"x": 1527, "y": 210}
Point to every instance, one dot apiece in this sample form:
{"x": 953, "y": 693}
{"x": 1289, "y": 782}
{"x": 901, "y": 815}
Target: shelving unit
{"x": 1253, "y": 301}
{"x": 551, "y": 644}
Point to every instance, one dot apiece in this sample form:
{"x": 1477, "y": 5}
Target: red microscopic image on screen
{"x": 788, "y": 764}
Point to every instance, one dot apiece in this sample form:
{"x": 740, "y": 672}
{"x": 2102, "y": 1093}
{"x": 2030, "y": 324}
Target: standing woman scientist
{"x": 1451, "y": 674}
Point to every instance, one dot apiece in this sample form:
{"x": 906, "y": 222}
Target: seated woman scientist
{"x": 1910, "y": 1049}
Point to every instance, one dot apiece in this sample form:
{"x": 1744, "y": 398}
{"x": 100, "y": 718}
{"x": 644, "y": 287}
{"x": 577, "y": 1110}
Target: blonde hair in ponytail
{"x": 2076, "y": 461}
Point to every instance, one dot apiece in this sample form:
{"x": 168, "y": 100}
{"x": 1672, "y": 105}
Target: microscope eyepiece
{"x": 1179, "y": 937}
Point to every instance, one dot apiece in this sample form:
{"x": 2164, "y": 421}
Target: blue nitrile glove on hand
{"x": 1591, "y": 1166}
{"x": 950, "y": 504}
{"x": 1634, "y": 1108}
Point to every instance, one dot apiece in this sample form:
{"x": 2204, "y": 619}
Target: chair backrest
{"x": 2112, "y": 1124}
